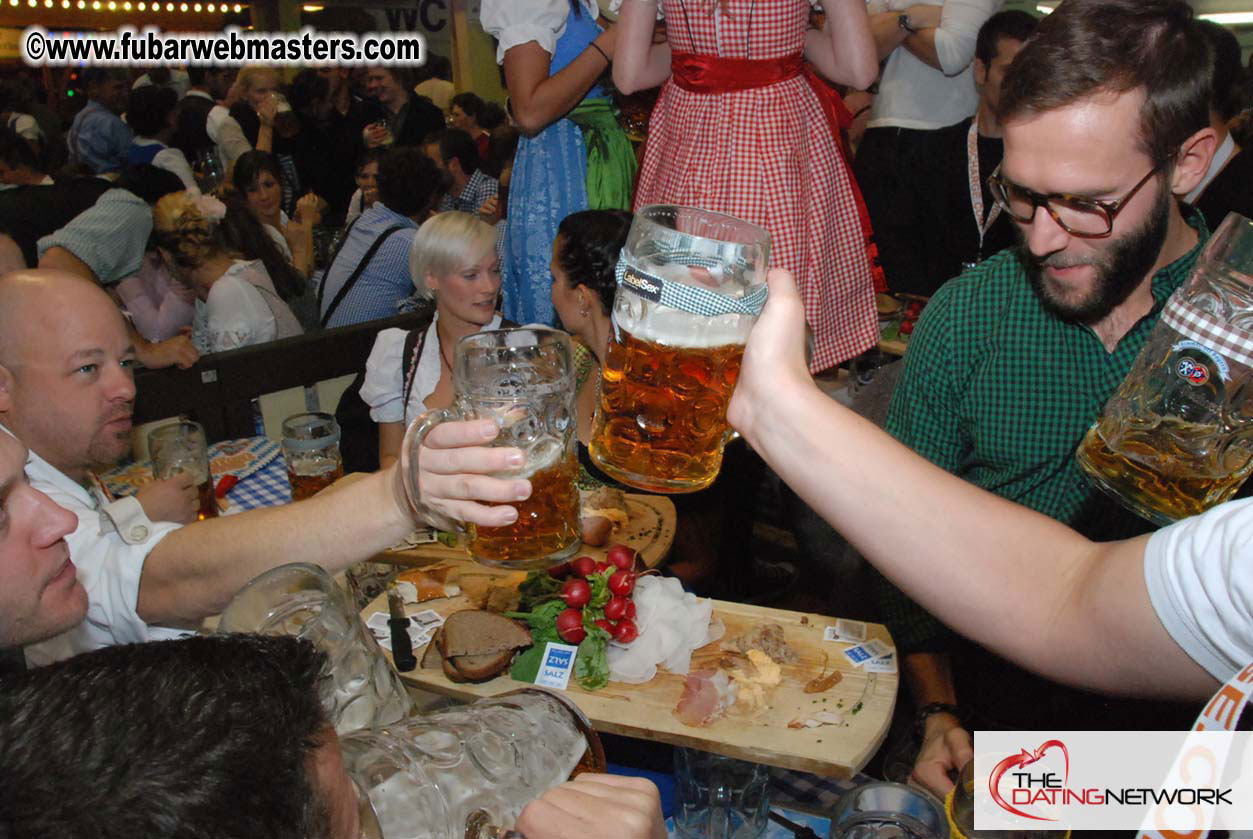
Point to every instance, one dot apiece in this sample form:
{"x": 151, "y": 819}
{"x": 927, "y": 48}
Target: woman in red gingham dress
{"x": 766, "y": 154}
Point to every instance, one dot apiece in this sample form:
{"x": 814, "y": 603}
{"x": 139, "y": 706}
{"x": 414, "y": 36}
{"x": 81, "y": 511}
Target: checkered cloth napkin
{"x": 262, "y": 483}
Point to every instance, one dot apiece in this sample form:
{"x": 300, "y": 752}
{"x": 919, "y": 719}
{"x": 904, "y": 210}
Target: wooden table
{"x": 646, "y": 711}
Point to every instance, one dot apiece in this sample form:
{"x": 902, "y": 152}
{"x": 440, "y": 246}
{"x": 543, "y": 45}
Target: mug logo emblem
{"x": 1192, "y": 371}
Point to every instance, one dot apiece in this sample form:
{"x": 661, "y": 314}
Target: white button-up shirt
{"x": 108, "y": 549}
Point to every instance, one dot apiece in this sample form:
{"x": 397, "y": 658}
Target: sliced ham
{"x": 707, "y": 694}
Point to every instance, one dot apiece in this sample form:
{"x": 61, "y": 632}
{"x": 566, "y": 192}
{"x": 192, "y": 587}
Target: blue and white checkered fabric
{"x": 266, "y": 487}
{"x": 384, "y": 282}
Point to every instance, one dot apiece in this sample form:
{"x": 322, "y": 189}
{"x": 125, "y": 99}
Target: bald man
{"x": 66, "y": 393}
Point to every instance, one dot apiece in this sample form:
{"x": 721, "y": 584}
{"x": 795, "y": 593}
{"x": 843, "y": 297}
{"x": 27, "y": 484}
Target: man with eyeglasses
{"x": 1105, "y": 116}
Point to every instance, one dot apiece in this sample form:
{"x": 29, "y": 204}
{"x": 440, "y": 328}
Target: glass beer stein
{"x": 523, "y": 379}
{"x": 466, "y": 772}
{"x": 1176, "y": 438}
{"x": 303, "y": 601}
{"x": 179, "y": 447}
{"x": 311, "y": 451}
{"x": 690, "y": 286}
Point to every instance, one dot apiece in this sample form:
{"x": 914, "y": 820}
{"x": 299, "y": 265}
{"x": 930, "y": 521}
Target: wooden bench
{"x": 218, "y": 392}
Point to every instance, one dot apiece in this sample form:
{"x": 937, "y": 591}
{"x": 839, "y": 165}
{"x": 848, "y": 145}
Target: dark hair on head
{"x": 501, "y": 148}
{"x": 1228, "y": 74}
{"x": 196, "y": 74}
{"x": 1013, "y": 24}
{"x": 16, "y": 152}
{"x": 149, "y": 108}
{"x": 1088, "y": 47}
{"x": 369, "y": 156}
{"x": 249, "y": 167}
{"x": 242, "y": 232}
{"x": 470, "y": 103}
{"x": 151, "y": 183}
{"x": 590, "y": 243}
{"x": 491, "y": 117}
{"x": 307, "y": 88}
{"x": 207, "y": 737}
{"x": 409, "y": 181}
{"x": 404, "y": 76}
{"x": 436, "y": 67}
{"x": 99, "y": 75}
{"x": 455, "y": 144}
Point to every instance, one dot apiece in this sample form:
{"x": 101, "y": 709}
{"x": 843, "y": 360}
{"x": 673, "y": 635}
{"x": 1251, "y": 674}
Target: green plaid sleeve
{"x": 923, "y": 415}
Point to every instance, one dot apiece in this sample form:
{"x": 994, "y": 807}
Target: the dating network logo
{"x": 1025, "y": 787}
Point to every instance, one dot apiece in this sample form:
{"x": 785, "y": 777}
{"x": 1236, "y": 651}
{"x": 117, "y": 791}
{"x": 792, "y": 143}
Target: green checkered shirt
{"x": 999, "y": 392}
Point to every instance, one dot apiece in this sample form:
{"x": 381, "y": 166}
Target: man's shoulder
{"x": 990, "y": 285}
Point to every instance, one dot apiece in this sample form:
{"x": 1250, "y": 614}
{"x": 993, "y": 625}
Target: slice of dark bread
{"x": 432, "y": 657}
{"x": 480, "y": 668}
{"x": 473, "y": 632}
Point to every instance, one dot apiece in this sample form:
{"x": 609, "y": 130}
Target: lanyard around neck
{"x": 976, "y": 184}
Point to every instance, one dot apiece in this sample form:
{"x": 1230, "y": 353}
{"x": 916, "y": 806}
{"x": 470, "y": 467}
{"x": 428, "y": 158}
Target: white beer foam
{"x": 673, "y": 328}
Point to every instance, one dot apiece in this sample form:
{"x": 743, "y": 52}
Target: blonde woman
{"x": 236, "y": 302}
{"x": 268, "y": 123}
{"x": 455, "y": 269}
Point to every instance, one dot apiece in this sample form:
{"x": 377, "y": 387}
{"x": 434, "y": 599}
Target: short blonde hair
{"x": 248, "y": 76}
{"x": 448, "y": 242}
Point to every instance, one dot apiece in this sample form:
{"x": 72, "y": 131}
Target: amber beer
{"x": 662, "y": 421}
{"x": 312, "y": 478}
{"x": 208, "y": 502}
{"x": 1155, "y": 475}
{"x": 547, "y": 525}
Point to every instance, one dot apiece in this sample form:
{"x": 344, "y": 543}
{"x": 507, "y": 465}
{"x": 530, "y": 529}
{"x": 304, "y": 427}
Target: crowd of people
{"x": 1047, "y": 183}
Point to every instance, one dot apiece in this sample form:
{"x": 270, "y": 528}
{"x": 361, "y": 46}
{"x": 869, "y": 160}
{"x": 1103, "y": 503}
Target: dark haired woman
{"x": 258, "y": 179}
{"x": 711, "y": 544}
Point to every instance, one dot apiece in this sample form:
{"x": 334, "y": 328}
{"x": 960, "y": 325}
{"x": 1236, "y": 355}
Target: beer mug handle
{"x": 407, "y": 469}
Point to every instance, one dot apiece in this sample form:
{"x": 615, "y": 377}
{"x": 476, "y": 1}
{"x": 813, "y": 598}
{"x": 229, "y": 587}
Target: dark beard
{"x": 1119, "y": 270}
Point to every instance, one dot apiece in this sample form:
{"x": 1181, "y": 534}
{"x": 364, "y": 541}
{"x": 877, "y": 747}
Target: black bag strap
{"x": 356, "y": 274}
{"x": 414, "y": 342}
{"x": 343, "y": 240}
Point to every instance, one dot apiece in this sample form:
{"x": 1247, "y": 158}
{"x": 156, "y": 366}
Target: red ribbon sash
{"x": 711, "y": 74}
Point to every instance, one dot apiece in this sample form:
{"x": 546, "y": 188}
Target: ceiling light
{"x": 1229, "y": 18}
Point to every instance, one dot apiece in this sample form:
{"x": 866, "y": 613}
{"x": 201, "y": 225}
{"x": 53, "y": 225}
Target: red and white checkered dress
{"x": 766, "y": 155}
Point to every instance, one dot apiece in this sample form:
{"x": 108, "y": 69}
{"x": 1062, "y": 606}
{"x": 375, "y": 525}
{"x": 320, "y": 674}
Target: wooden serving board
{"x": 650, "y": 530}
{"x": 646, "y": 711}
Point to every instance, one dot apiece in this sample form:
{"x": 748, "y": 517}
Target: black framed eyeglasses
{"x": 1086, "y": 218}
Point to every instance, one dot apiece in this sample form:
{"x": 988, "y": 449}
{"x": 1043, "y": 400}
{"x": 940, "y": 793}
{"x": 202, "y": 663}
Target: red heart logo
{"x": 1025, "y": 758}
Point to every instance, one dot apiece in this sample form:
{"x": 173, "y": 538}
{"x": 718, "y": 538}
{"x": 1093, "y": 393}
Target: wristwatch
{"x": 903, "y": 22}
{"x": 920, "y": 721}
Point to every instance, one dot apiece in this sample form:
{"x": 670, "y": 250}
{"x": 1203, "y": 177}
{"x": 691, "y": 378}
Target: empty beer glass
{"x": 179, "y": 447}
{"x": 719, "y": 797}
{"x": 311, "y": 449}
{"x": 524, "y": 380}
{"x": 302, "y": 600}
{"x": 690, "y": 286}
{"x": 1176, "y": 438}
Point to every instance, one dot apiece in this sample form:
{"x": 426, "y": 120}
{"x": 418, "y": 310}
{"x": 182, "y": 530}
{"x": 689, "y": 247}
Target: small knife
{"x": 799, "y": 831}
{"x": 402, "y": 647}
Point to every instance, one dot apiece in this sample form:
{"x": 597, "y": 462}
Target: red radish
{"x": 576, "y": 593}
{"x": 621, "y": 583}
{"x": 626, "y": 631}
{"x": 570, "y": 626}
{"x": 608, "y": 626}
{"x": 617, "y": 608}
{"x": 622, "y": 557}
{"x": 583, "y": 566}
